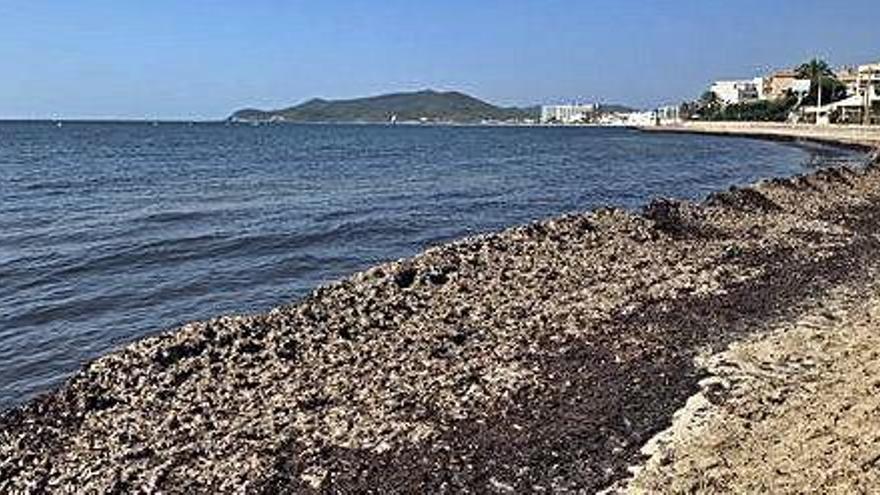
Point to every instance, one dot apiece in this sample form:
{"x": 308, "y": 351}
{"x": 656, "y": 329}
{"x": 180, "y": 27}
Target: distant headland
{"x": 426, "y": 106}
{"x": 417, "y": 106}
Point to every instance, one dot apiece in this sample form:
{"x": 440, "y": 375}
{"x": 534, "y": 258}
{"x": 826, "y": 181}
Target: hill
{"x": 614, "y": 108}
{"x": 427, "y": 105}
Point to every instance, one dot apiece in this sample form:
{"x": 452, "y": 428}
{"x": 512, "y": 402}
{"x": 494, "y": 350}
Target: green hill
{"x": 614, "y": 108}
{"x": 428, "y": 105}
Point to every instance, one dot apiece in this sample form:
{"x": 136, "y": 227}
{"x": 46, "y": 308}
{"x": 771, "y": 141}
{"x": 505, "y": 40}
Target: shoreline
{"x": 540, "y": 357}
{"x": 862, "y": 138}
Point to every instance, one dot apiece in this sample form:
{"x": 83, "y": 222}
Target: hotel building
{"x": 567, "y": 114}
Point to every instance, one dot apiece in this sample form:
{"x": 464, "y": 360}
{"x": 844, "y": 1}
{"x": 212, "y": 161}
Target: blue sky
{"x": 200, "y": 59}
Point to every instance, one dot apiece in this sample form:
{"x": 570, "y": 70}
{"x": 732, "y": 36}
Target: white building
{"x": 858, "y": 79}
{"x": 738, "y": 91}
{"x": 870, "y": 73}
{"x": 641, "y": 119}
{"x": 863, "y": 100}
{"x": 667, "y": 115}
{"x": 567, "y": 114}
{"x": 868, "y": 83}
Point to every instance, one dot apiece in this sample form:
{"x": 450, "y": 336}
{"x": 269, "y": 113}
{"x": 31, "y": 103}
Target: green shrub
{"x": 759, "y": 111}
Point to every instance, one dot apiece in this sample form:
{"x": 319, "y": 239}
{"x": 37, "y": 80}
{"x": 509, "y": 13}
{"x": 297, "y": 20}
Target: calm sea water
{"x": 109, "y": 232}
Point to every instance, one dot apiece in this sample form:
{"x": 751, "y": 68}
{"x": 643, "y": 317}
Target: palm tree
{"x": 821, "y": 76}
{"x": 814, "y": 70}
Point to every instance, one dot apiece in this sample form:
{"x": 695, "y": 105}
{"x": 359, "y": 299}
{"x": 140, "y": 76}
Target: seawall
{"x": 864, "y": 137}
{"x": 537, "y": 359}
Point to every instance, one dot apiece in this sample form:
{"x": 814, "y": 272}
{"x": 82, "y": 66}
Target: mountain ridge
{"x": 424, "y": 105}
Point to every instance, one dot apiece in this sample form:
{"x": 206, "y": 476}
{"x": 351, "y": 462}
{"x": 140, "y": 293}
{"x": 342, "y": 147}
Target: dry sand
{"x": 795, "y": 410}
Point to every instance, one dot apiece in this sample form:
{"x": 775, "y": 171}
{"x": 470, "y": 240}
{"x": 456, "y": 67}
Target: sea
{"x": 110, "y": 232}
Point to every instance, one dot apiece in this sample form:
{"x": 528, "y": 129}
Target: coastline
{"x": 865, "y": 138}
{"x": 541, "y": 357}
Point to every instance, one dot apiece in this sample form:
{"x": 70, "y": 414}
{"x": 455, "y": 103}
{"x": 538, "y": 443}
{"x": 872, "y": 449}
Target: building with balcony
{"x": 861, "y": 106}
{"x": 568, "y": 114}
{"x": 667, "y": 115}
{"x": 778, "y": 84}
{"x": 863, "y": 87}
{"x": 738, "y": 91}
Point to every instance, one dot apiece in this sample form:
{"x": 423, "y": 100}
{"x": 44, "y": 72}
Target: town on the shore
{"x": 812, "y": 92}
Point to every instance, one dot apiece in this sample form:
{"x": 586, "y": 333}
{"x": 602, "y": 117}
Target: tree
{"x": 756, "y": 111}
{"x": 814, "y": 70}
{"x": 689, "y": 109}
{"x": 821, "y": 76}
{"x": 709, "y": 98}
{"x": 708, "y": 104}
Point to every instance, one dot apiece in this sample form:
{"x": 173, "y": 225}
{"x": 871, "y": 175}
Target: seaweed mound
{"x": 539, "y": 358}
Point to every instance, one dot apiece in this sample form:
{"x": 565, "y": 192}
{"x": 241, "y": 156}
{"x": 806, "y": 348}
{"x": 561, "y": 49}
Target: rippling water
{"x": 109, "y": 232}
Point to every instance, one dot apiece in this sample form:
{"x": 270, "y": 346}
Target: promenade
{"x": 854, "y": 135}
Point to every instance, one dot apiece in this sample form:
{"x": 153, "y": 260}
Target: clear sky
{"x": 196, "y": 59}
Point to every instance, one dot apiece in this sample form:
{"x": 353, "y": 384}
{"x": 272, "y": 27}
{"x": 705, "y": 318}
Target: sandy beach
{"x": 546, "y": 358}
{"x": 793, "y": 410}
